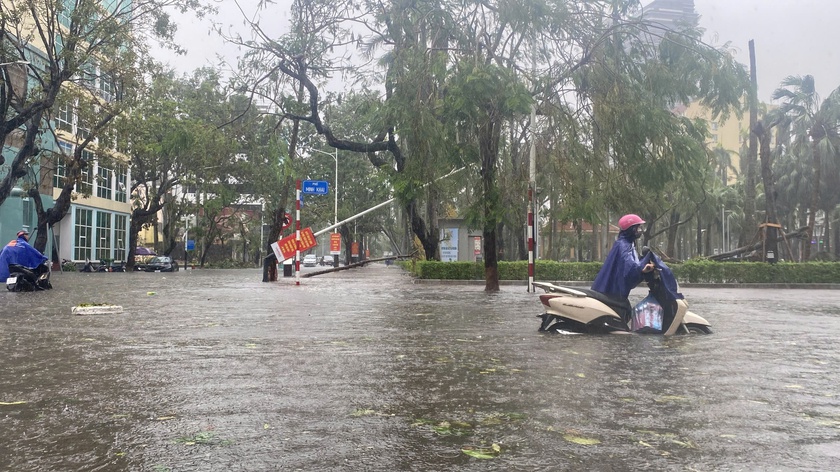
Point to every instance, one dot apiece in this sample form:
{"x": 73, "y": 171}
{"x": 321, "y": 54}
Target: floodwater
{"x": 213, "y": 370}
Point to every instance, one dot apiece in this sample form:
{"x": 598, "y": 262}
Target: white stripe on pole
{"x": 297, "y": 233}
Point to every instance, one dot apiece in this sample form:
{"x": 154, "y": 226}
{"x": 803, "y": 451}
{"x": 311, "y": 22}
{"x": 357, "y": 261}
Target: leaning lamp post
{"x": 3, "y": 64}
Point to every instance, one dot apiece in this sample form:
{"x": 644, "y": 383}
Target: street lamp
{"x": 728, "y": 231}
{"x": 335, "y": 192}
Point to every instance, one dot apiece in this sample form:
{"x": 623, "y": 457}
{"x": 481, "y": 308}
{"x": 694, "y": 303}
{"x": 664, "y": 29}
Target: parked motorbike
{"x": 26, "y": 279}
{"x": 580, "y": 310}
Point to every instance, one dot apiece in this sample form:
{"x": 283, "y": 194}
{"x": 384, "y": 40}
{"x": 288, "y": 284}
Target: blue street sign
{"x": 191, "y": 245}
{"x": 316, "y": 187}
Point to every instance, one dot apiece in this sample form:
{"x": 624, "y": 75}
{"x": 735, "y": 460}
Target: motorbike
{"x": 27, "y": 279}
{"x": 580, "y": 310}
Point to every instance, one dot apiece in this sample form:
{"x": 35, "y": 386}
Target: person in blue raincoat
{"x": 623, "y": 270}
{"x": 19, "y": 251}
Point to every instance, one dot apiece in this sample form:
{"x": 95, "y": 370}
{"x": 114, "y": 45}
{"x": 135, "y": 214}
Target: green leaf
{"x": 478, "y": 454}
{"x": 581, "y": 440}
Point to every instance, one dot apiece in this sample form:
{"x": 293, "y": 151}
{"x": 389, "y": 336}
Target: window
{"x": 82, "y": 132}
{"x": 106, "y": 87}
{"x": 87, "y": 73}
{"x": 119, "y": 236}
{"x": 64, "y": 117}
{"x": 60, "y": 169}
{"x": 27, "y": 212}
{"x": 65, "y": 9}
{"x": 85, "y": 185}
{"x": 121, "y": 172}
{"x": 103, "y": 235}
{"x": 84, "y": 234}
{"x": 104, "y": 181}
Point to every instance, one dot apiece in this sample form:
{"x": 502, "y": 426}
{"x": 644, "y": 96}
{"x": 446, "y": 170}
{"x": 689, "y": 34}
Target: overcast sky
{"x": 792, "y": 37}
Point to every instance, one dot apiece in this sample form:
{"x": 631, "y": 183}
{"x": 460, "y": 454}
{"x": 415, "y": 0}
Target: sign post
{"x": 297, "y": 232}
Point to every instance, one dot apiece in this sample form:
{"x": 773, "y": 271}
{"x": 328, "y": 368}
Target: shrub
{"x": 694, "y": 271}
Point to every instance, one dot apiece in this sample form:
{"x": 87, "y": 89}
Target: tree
{"x": 70, "y": 46}
{"x": 815, "y": 123}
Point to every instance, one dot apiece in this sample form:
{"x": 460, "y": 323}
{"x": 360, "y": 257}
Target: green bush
{"x": 69, "y": 267}
{"x": 695, "y": 271}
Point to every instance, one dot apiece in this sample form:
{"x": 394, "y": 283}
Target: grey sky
{"x": 792, "y": 37}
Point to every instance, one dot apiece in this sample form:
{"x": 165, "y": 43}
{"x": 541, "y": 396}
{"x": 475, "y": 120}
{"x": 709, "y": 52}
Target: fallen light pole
{"x": 356, "y": 216}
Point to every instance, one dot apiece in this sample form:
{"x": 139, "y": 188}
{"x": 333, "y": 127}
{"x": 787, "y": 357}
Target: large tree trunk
{"x": 488, "y": 145}
{"x": 770, "y": 234}
{"x": 816, "y": 137}
{"x": 752, "y": 156}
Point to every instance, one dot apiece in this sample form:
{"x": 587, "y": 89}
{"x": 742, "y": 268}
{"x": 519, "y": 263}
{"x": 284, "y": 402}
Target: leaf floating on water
{"x": 581, "y": 375}
{"x": 250, "y": 346}
{"x": 686, "y": 445}
{"x": 11, "y": 403}
{"x": 581, "y": 440}
{"x": 671, "y": 398}
{"x": 477, "y": 454}
{"x": 645, "y": 444}
{"x": 363, "y": 412}
{"x": 483, "y": 452}
{"x": 266, "y": 426}
{"x": 204, "y": 437}
{"x": 166, "y": 418}
{"x": 794, "y": 386}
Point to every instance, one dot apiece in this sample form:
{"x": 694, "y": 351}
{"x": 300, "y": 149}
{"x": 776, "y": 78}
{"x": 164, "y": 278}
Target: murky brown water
{"x": 364, "y": 370}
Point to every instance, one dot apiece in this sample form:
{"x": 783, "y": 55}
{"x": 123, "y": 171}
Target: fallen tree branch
{"x": 798, "y": 234}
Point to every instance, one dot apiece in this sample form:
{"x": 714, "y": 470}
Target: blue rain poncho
{"x": 622, "y": 269}
{"x": 18, "y": 251}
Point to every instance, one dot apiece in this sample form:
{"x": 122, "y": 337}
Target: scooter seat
{"x": 622, "y": 307}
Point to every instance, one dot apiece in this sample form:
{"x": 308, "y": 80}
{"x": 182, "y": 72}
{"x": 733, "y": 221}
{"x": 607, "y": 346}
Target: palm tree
{"x": 723, "y": 160}
{"x": 812, "y": 122}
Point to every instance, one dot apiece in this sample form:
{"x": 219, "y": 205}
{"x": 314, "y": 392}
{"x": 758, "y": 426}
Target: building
{"x": 97, "y": 223}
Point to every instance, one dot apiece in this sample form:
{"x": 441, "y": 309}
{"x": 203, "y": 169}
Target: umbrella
{"x": 144, "y": 251}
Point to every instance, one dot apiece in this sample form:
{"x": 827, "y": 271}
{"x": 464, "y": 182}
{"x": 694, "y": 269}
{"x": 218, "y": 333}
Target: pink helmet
{"x": 627, "y": 221}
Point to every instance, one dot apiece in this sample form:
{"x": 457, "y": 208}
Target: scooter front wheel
{"x": 697, "y": 329}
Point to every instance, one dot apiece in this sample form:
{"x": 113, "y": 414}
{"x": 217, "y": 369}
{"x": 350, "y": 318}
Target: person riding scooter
{"x": 623, "y": 270}
{"x": 18, "y": 251}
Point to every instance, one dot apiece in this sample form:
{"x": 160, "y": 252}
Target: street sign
{"x": 191, "y": 245}
{"x": 288, "y": 245}
{"x": 315, "y": 187}
{"x": 335, "y": 244}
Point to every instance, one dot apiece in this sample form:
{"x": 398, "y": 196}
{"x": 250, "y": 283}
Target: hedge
{"x": 695, "y": 271}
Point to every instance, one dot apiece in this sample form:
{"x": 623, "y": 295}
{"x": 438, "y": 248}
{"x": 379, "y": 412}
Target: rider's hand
{"x": 648, "y": 268}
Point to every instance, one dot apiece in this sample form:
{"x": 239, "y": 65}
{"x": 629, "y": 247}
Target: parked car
{"x": 162, "y": 264}
{"x": 326, "y": 261}
{"x": 142, "y": 256}
{"x": 310, "y": 260}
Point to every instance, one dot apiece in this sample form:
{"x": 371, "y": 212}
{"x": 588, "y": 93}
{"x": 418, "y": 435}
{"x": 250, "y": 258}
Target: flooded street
{"x": 213, "y": 370}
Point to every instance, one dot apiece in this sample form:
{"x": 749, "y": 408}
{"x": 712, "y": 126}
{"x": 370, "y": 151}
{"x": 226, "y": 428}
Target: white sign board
{"x": 448, "y": 244}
